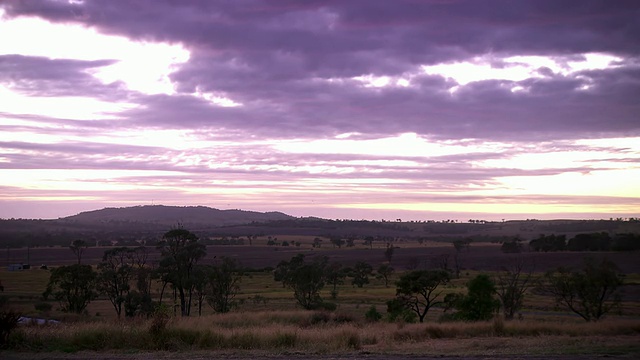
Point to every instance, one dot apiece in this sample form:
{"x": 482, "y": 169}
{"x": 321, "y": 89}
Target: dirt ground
{"x": 356, "y": 356}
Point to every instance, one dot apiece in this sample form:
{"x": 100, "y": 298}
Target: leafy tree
{"x": 180, "y": 252}
{"x": 223, "y": 284}
{"x": 591, "y": 292}
{"x": 511, "y": 247}
{"x": 511, "y": 284}
{"x": 360, "y": 273}
{"x": 78, "y": 247}
{"x": 547, "y": 243}
{"x": 72, "y": 286}
{"x": 590, "y": 242}
{"x": 418, "y": 291}
{"x": 384, "y": 272}
{"x": 478, "y": 304}
{"x": 306, "y": 279}
{"x": 626, "y": 242}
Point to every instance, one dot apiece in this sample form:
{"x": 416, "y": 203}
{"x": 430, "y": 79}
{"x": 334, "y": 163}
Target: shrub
{"x": 8, "y": 322}
{"x": 372, "y": 315}
{"x": 43, "y": 307}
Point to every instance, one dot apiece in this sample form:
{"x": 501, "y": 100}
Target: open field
{"x": 480, "y": 256}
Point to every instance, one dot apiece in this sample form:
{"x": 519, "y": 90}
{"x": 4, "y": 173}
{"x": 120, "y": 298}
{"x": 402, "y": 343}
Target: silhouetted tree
{"x": 180, "y": 251}
{"x": 418, "y": 291}
{"x": 591, "y": 292}
{"x": 306, "y": 279}
{"x": 72, "y": 286}
{"x": 478, "y": 303}
{"x": 78, "y": 247}
{"x": 384, "y": 272}
{"x": 223, "y": 284}
{"x": 360, "y": 274}
{"x": 511, "y": 284}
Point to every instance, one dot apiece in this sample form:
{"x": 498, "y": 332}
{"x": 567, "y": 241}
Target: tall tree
{"x": 223, "y": 284}
{"x": 115, "y": 273}
{"x": 511, "y": 284}
{"x": 418, "y": 290}
{"x": 180, "y": 252}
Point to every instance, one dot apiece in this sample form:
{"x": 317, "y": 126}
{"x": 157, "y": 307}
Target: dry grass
{"x": 310, "y": 332}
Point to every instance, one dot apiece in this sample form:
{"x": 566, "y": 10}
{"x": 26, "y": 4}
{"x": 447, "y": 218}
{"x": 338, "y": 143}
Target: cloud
{"x": 415, "y": 100}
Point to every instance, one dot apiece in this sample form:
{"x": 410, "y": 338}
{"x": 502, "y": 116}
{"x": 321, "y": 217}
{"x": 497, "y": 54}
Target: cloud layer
{"x": 365, "y": 104}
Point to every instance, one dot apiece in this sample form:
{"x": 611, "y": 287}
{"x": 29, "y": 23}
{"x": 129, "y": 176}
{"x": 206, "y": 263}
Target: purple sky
{"x": 341, "y": 109}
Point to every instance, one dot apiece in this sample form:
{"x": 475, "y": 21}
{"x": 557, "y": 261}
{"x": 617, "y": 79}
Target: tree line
{"x": 598, "y": 241}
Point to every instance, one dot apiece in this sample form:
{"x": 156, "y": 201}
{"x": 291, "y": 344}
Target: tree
{"x": 459, "y": 246}
{"x": 335, "y": 275}
{"x": 478, "y": 304}
{"x": 591, "y": 292}
{"x": 115, "y": 273}
{"x": 511, "y": 247}
{"x": 547, "y": 243}
{"x": 369, "y": 241}
{"x": 388, "y": 252}
{"x": 306, "y": 279}
{"x": 78, "y": 247}
{"x": 223, "y": 284}
{"x": 72, "y": 286}
{"x": 317, "y": 242}
{"x": 360, "y": 273}
{"x": 511, "y": 284}
{"x": 180, "y": 252}
{"x": 418, "y": 291}
{"x": 337, "y": 241}
{"x": 590, "y": 242}
{"x": 384, "y": 272}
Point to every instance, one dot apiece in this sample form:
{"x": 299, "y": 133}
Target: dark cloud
{"x": 278, "y": 59}
{"x": 40, "y": 76}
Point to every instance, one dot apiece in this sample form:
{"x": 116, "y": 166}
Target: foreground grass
{"x": 320, "y": 333}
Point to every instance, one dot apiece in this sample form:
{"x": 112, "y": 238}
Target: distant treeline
{"x": 598, "y": 241}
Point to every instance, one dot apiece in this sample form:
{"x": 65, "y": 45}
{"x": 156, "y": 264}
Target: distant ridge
{"x": 172, "y": 215}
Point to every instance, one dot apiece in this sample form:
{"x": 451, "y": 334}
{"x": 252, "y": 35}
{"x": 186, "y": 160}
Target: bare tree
{"x": 511, "y": 284}
{"x": 78, "y": 247}
{"x": 590, "y": 292}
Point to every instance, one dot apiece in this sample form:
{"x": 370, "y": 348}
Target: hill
{"x": 172, "y": 215}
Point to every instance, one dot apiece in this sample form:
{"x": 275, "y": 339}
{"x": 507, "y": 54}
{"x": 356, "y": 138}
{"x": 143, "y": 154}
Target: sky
{"x": 346, "y": 109}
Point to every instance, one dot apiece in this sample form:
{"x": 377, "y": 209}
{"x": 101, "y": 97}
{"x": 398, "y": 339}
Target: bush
{"x": 8, "y": 322}
{"x": 43, "y": 307}
{"x": 372, "y": 315}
